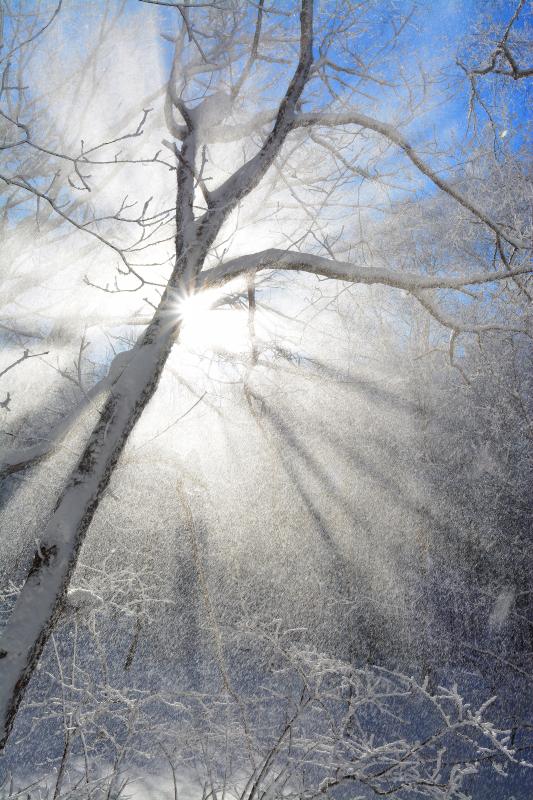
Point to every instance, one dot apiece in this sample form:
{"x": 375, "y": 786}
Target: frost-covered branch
{"x": 346, "y": 271}
{"x": 24, "y": 357}
{"x": 390, "y": 132}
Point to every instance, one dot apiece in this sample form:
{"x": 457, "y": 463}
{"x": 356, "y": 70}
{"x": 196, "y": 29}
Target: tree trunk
{"x": 40, "y": 600}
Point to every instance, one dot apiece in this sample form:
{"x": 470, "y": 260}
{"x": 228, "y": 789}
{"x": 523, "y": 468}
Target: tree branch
{"x": 393, "y": 135}
{"x": 235, "y": 188}
{"x": 345, "y": 271}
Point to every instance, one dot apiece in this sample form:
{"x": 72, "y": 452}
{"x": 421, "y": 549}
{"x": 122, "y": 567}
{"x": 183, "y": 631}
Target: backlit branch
{"x": 345, "y": 271}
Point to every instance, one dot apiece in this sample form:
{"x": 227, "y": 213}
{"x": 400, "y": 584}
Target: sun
{"x": 207, "y": 326}
{"x": 193, "y": 306}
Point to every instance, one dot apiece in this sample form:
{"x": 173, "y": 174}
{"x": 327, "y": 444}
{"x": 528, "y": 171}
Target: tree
{"x": 310, "y": 148}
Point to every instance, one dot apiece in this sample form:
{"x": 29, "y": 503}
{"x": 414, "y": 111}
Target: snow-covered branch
{"x": 275, "y": 259}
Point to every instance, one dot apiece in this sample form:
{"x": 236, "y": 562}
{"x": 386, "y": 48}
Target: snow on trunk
{"x": 41, "y": 599}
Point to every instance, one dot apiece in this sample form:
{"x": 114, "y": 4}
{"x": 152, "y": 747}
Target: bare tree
{"x": 342, "y": 122}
